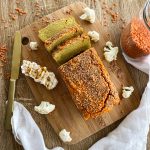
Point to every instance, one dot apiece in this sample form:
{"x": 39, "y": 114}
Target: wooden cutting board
{"x": 66, "y": 115}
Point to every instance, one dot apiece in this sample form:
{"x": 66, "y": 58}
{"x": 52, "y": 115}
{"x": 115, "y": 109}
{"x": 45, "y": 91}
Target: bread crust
{"x": 89, "y": 84}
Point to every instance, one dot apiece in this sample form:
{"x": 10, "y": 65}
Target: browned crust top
{"x": 89, "y": 84}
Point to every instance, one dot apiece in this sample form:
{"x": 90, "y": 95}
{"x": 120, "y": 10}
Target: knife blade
{"x": 16, "y": 56}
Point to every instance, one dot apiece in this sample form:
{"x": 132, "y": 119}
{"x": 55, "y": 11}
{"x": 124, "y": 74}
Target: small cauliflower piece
{"x": 65, "y": 135}
{"x": 89, "y": 15}
{"x": 33, "y": 45}
{"x": 94, "y": 35}
{"x": 44, "y": 108}
{"x": 127, "y": 91}
{"x": 110, "y": 52}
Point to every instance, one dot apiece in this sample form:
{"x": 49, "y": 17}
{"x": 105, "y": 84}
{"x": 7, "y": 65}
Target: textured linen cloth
{"x": 131, "y": 134}
{"x": 26, "y": 131}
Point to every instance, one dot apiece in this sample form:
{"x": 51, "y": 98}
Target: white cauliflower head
{"x": 89, "y": 15}
{"x": 65, "y": 135}
{"x": 39, "y": 74}
{"x": 110, "y": 52}
{"x": 127, "y": 91}
{"x": 93, "y": 35}
{"x": 34, "y": 45}
{"x": 44, "y": 108}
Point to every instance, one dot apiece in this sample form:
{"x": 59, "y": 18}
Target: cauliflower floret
{"x": 33, "y": 45}
{"x": 89, "y": 15}
{"x": 127, "y": 91}
{"x": 65, "y": 135}
{"x": 110, "y": 53}
{"x": 39, "y": 74}
{"x": 93, "y": 35}
{"x": 44, "y": 108}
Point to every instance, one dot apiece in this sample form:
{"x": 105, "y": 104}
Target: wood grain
{"x": 24, "y": 95}
{"x": 66, "y": 114}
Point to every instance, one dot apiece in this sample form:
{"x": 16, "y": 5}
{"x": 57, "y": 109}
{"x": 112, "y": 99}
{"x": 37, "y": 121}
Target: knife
{"x": 16, "y": 56}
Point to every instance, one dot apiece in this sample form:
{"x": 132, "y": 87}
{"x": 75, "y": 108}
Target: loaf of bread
{"x": 71, "y": 48}
{"x": 89, "y": 84}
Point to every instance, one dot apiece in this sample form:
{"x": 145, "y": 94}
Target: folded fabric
{"x": 26, "y": 131}
{"x": 131, "y": 134}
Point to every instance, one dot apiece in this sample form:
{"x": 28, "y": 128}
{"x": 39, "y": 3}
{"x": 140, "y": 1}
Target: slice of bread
{"x": 55, "y": 27}
{"x": 62, "y": 36}
{"x": 71, "y": 48}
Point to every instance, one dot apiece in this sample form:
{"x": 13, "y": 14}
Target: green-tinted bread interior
{"x": 62, "y": 36}
{"x": 56, "y": 27}
{"x": 71, "y": 48}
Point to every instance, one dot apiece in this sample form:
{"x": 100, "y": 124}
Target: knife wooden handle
{"x": 10, "y": 103}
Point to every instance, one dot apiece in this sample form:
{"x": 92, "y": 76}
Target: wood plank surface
{"x": 24, "y": 94}
{"x": 66, "y": 115}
